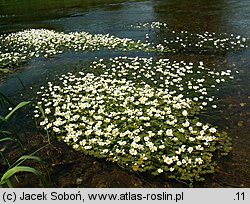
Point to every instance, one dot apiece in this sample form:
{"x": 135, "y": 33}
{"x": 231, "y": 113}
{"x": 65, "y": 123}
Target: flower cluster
{"x": 24, "y": 45}
{"x": 152, "y": 25}
{"x": 193, "y": 81}
{"x": 138, "y": 112}
{"x": 185, "y": 41}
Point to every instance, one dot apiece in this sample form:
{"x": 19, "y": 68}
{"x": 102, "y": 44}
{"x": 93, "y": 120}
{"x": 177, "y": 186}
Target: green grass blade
{"x": 43, "y": 116}
{"x": 11, "y": 172}
{"x": 6, "y": 139}
{"x": 5, "y": 132}
{"x": 24, "y": 158}
{"x": 9, "y": 184}
{"x": 42, "y": 111}
{"x": 20, "y": 105}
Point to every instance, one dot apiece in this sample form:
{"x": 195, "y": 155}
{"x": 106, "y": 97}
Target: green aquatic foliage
{"x": 19, "y": 106}
{"x": 13, "y": 171}
{"x": 140, "y": 113}
{"x": 16, "y": 167}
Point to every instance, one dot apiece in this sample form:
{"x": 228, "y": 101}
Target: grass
{"x": 19, "y": 165}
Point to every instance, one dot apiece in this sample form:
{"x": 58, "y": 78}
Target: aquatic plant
{"x": 13, "y": 169}
{"x": 16, "y": 167}
{"x": 27, "y": 44}
{"x": 24, "y": 45}
{"x": 186, "y": 41}
{"x": 140, "y": 113}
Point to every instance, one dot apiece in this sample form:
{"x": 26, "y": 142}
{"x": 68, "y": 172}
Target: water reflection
{"x": 16, "y": 15}
{"x": 195, "y": 16}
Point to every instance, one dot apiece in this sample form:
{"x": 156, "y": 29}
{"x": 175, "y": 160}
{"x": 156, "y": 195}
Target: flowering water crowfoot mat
{"x": 139, "y": 125}
{"x": 187, "y": 42}
{"x": 27, "y": 44}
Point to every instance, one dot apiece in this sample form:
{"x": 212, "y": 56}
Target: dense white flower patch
{"x": 24, "y": 45}
{"x": 194, "y": 81}
{"x": 138, "y": 112}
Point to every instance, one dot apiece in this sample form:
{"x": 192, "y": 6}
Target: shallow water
{"x": 115, "y": 17}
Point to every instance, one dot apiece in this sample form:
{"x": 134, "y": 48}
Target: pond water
{"x": 116, "y": 17}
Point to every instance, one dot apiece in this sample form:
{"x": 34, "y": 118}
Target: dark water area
{"x": 72, "y": 169}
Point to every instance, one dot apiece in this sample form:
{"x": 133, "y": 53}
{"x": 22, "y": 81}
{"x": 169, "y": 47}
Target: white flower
{"x": 159, "y": 170}
{"x": 160, "y": 132}
{"x": 133, "y": 152}
{"x": 75, "y": 146}
{"x": 179, "y": 163}
{"x": 198, "y": 124}
{"x": 47, "y": 111}
{"x": 137, "y": 139}
{"x": 199, "y": 147}
{"x": 205, "y": 127}
{"x": 161, "y": 146}
{"x": 198, "y": 160}
{"x": 56, "y": 130}
{"x": 105, "y": 151}
{"x": 186, "y": 124}
{"x": 153, "y": 149}
{"x": 184, "y": 113}
{"x": 168, "y": 160}
{"x": 88, "y": 147}
{"x": 181, "y": 130}
{"x": 212, "y": 130}
{"x": 83, "y": 143}
{"x": 134, "y": 145}
{"x": 175, "y": 158}
{"x": 204, "y": 103}
{"x": 169, "y": 132}
{"x": 183, "y": 161}
{"x": 171, "y": 169}
{"x": 191, "y": 139}
{"x": 190, "y": 149}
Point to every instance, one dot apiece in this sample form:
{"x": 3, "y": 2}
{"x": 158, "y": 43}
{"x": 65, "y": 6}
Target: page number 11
{"x": 240, "y": 196}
